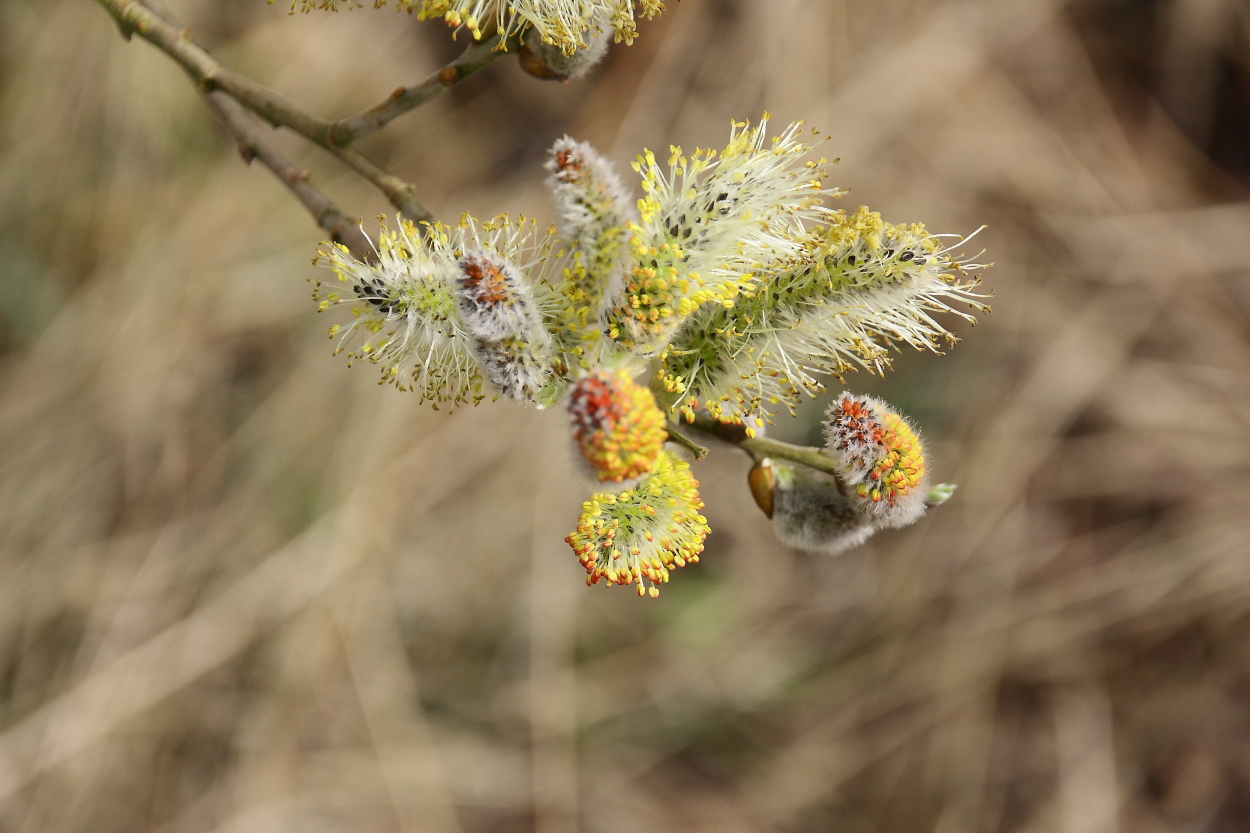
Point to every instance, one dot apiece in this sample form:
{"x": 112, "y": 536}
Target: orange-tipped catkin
{"x": 617, "y": 425}
{"x": 879, "y": 456}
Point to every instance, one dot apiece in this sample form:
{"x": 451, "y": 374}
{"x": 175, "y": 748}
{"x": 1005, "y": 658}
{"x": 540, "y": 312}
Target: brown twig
{"x": 251, "y": 146}
{"x": 399, "y": 192}
{"x": 133, "y": 17}
{"x": 476, "y": 57}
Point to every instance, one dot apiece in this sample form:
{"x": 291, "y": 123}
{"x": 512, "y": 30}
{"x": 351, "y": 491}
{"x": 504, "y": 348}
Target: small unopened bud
{"x": 552, "y": 63}
{"x": 939, "y": 494}
{"x": 811, "y": 513}
{"x": 880, "y": 458}
{"x": 762, "y": 480}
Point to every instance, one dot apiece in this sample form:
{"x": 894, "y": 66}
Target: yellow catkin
{"x": 617, "y": 425}
{"x": 640, "y": 534}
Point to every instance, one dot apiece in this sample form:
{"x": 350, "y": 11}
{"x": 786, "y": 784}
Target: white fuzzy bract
{"x": 591, "y": 202}
{"x": 810, "y": 513}
{"x": 498, "y": 308}
{"x": 496, "y": 302}
{"x": 518, "y": 368}
{"x": 551, "y": 62}
{"x": 493, "y": 298}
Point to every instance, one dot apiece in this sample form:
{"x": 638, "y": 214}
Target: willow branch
{"x": 404, "y": 99}
{"x": 133, "y": 18}
{"x": 251, "y": 146}
{"x": 685, "y": 442}
{"x": 761, "y": 447}
{"x": 813, "y": 458}
{"x": 399, "y": 192}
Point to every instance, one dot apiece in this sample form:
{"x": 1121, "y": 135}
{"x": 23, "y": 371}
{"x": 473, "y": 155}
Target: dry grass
{"x": 244, "y": 588}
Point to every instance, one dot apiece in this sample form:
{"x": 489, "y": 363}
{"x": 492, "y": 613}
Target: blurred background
{"x": 243, "y": 588}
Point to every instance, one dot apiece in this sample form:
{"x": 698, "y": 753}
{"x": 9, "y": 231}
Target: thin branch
{"x": 813, "y": 458}
{"x": 476, "y": 57}
{"x": 685, "y": 442}
{"x": 251, "y": 146}
{"x": 133, "y": 17}
{"x": 761, "y": 447}
{"x": 399, "y": 192}
{"x": 939, "y": 494}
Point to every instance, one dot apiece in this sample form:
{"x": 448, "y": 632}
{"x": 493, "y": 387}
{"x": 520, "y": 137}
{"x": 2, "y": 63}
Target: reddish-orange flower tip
{"x": 880, "y": 456}
{"x": 618, "y": 428}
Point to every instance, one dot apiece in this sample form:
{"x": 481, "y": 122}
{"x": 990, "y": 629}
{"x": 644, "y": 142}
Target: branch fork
{"x": 231, "y": 95}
